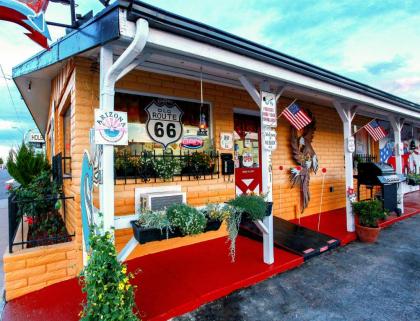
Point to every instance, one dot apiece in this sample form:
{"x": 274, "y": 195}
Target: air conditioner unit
{"x": 160, "y": 200}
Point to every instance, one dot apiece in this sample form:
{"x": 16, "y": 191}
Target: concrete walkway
{"x": 360, "y": 282}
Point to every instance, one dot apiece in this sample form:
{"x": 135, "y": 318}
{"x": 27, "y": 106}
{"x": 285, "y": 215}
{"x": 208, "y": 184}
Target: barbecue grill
{"x": 383, "y": 175}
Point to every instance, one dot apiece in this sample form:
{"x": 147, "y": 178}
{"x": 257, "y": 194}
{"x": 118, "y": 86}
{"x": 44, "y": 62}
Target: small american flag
{"x": 296, "y": 116}
{"x": 375, "y": 130}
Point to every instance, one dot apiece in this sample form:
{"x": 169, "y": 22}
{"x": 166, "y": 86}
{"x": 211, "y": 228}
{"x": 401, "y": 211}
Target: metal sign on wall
{"x": 164, "y": 122}
{"x": 111, "y": 127}
{"x": 268, "y": 109}
{"x": 29, "y": 14}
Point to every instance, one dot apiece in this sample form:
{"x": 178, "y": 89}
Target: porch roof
{"x": 105, "y": 27}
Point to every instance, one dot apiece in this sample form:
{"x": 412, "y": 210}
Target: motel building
{"x": 136, "y": 82}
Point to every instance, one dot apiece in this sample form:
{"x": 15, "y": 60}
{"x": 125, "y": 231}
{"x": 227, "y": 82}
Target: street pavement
{"x": 359, "y": 282}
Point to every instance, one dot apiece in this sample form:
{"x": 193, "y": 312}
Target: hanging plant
{"x": 233, "y": 220}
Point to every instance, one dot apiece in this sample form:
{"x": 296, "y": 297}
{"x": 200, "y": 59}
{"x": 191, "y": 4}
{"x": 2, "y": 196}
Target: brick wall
{"x": 32, "y": 269}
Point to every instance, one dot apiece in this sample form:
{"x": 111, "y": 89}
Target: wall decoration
{"x": 247, "y": 159}
{"x": 192, "y": 142}
{"x": 305, "y": 156}
{"x": 226, "y": 140}
{"x": 30, "y": 14}
{"x": 111, "y": 127}
{"x": 164, "y": 122}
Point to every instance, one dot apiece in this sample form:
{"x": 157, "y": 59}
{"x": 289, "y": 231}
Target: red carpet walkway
{"x": 170, "y": 283}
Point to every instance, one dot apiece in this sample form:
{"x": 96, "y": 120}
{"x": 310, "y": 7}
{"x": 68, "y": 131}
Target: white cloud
{"x": 8, "y": 125}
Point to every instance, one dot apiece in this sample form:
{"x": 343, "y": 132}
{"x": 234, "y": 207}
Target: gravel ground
{"x": 360, "y": 282}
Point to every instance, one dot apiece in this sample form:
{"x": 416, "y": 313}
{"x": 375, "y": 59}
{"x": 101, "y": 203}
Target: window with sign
{"x": 157, "y": 124}
{"x": 246, "y": 141}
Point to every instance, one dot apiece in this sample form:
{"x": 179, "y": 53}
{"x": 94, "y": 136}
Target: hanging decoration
{"x": 305, "y": 157}
{"x": 202, "y": 129}
{"x": 29, "y": 14}
{"x": 296, "y": 116}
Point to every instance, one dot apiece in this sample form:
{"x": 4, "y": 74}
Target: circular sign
{"x": 192, "y": 142}
{"x": 247, "y": 159}
{"x": 164, "y": 124}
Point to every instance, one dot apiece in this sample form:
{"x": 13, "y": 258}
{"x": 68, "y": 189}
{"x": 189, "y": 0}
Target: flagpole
{"x": 287, "y": 107}
{"x": 363, "y": 126}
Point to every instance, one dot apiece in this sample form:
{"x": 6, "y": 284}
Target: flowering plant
{"x": 166, "y": 167}
{"x": 106, "y": 282}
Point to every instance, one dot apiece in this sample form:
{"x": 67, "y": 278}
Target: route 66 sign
{"x": 164, "y": 124}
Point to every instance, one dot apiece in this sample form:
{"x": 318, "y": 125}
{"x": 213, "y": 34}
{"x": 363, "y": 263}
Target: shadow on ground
{"x": 369, "y": 282}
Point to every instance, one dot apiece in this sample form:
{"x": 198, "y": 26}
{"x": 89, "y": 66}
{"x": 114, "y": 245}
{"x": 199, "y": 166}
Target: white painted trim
{"x": 176, "y": 43}
{"x": 128, "y": 248}
{"x": 123, "y": 221}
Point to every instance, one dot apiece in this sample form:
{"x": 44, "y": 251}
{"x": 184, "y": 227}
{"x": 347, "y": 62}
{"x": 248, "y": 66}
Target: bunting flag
{"x": 374, "y": 130}
{"x": 30, "y": 14}
{"x": 296, "y": 116}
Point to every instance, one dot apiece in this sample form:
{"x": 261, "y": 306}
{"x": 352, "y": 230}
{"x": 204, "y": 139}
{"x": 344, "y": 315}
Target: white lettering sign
{"x": 351, "y": 145}
{"x": 164, "y": 124}
{"x": 111, "y": 127}
{"x": 270, "y": 139}
{"x": 268, "y": 109}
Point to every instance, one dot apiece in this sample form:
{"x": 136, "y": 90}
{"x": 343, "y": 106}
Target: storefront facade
{"x": 217, "y": 92}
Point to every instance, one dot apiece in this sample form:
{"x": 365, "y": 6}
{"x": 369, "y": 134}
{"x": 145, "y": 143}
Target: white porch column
{"x": 106, "y": 187}
{"x": 266, "y": 226}
{"x": 347, "y": 113}
{"x": 397, "y": 124}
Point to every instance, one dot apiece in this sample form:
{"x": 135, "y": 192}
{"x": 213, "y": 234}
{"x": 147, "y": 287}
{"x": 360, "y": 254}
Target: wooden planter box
{"x": 144, "y": 235}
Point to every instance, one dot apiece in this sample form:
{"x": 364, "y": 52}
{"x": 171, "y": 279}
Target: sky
{"x": 374, "y": 42}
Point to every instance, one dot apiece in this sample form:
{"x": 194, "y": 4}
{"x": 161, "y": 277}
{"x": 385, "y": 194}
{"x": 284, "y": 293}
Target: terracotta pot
{"x": 367, "y": 234}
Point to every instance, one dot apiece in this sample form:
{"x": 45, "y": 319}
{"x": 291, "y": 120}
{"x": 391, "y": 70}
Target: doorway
{"x": 247, "y": 154}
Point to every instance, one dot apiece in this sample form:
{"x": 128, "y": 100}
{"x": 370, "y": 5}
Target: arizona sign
{"x": 30, "y": 14}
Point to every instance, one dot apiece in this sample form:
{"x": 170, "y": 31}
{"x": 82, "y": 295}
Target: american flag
{"x": 375, "y": 130}
{"x": 385, "y": 152}
{"x": 296, "y": 116}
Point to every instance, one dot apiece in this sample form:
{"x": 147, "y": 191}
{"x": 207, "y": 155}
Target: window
{"x": 67, "y": 141}
{"x": 194, "y": 117}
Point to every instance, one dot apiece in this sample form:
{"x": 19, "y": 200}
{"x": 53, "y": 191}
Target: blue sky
{"x": 374, "y": 42}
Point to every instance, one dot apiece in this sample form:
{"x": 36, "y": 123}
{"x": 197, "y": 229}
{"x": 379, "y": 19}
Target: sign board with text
{"x": 268, "y": 109}
{"x": 269, "y": 139}
{"x": 111, "y": 127}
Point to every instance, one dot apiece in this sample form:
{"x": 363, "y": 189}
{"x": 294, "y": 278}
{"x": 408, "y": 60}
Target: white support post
{"x": 397, "y": 124}
{"x": 265, "y": 226}
{"x": 347, "y": 113}
{"x": 109, "y": 73}
{"x": 106, "y": 186}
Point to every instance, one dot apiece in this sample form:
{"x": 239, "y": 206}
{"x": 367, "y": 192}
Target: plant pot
{"x": 144, "y": 235}
{"x": 367, "y": 234}
{"x": 212, "y": 225}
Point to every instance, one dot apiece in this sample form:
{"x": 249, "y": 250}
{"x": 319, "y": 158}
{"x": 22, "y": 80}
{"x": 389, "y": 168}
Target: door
{"x": 247, "y": 154}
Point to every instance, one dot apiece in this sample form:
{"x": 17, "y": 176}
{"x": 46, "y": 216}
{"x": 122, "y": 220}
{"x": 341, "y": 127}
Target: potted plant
{"x": 253, "y": 206}
{"x": 189, "y": 220}
{"x": 368, "y": 213}
{"x": 196, "y": 164}
{"x": 413, "y": 179}
{"x": 215, "y": 214}
{"x": 166, "y": 167}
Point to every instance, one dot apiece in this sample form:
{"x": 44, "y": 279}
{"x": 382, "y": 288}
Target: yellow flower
{"x": 124, "y": 270}
{"x": 125, "y": 280}
{"x": 127, "y": 287}
{"x": 121, "y": 286}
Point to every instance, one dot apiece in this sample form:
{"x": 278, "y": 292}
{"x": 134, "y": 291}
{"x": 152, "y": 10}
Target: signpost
{"x": 164, "y": 123}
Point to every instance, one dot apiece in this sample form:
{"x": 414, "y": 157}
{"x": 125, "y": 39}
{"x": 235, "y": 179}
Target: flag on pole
{"x": 374, "y": 130}
{"x": 296, "y": 116}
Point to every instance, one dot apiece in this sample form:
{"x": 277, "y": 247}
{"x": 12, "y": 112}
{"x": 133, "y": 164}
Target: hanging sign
{"x": 226, "y": 140}
{"x": 29, "y": 14}
{"x": 192, "y": 142}
{"x": 247, "y": 159}
{"x": 111, "y": 127}
{"x": 268, "y": 109}
{"x": 269, "y": 139}
{"x": 164, "y": 124}
{"x": 351, "y": 145}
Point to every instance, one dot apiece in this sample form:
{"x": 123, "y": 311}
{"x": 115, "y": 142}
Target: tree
{"x": 1, "y": 161}
{"x": 24, "y": 165}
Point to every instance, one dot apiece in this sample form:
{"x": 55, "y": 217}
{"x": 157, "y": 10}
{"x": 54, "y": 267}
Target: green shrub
{"x": 188, "y": 219}
{"x": 24, "y": 165}
{"x": 253, "y": 206}
{"x": 166, "y": 167}
{"x": 369, "y": 212}
{"x": 109, "y": 294}
{"x": 216, "y": 212}
{"x": 155, "y": 219}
